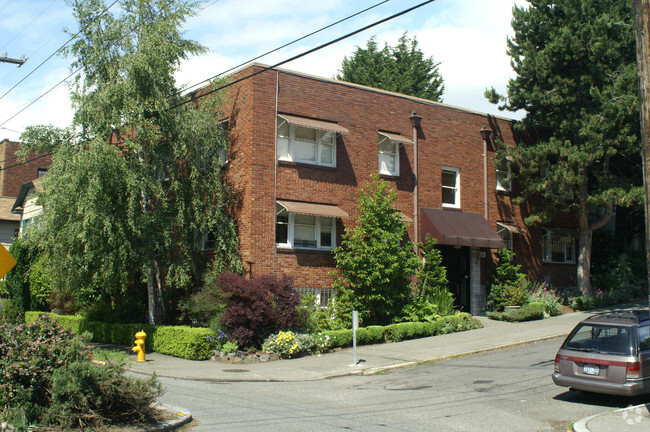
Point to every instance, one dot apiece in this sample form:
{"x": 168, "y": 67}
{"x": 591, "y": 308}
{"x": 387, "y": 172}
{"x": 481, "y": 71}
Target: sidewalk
{"x": 374, "y": 358}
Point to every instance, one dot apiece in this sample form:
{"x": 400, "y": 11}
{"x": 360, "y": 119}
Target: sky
{"x": 467, "y": 37}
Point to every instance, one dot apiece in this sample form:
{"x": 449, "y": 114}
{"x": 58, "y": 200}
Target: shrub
{"x": 185, "y": 342}
{"x": 530, "y": 312}
{"x": 202, "y": 308}
{"x": 257, "y": 307}
{"x": 288, "y": 344}
{"x": 40, "y": 285}
{"x": 506, "y": 295}
{"x": 417, "y": 311}
{"x": 547, "y": 296}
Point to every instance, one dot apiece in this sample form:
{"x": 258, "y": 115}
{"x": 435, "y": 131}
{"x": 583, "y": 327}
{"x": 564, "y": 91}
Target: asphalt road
{"x": 505, "y": 390}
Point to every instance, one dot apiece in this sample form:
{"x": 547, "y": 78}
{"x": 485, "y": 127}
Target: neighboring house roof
{"x": 6, "y": 204}
{"x": 19, "y": 202}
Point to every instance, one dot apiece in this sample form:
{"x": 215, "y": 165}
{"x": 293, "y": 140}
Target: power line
{"x": 332, "y": 42}
{"x": 58, "y": 50}
{"x": 29, "y": 25}
{"x": 286, "y": 45}
{"x": 26, "y": 162}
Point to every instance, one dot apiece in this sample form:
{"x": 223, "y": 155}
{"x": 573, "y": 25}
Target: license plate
{"x": 591, "y": 369}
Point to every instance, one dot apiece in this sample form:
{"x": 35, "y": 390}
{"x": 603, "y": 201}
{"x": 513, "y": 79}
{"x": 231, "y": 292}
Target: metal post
{"x": 415, "y": 124}
{"x": 485, "y": 134}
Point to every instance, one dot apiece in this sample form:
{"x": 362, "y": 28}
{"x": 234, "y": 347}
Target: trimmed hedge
{"x": 529, "y": 312}
{"x": 178, "y": 341}
{"x": 402, "y": 331}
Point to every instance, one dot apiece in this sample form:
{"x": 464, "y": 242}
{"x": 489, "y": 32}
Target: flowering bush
{"x": 321, "y": 342}
{"x": 543, "y": 293}
{"x": 288, "y": 344}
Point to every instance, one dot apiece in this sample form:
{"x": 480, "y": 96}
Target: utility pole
{"x": 19, "y": 62}
{"x": 642, "y": 28}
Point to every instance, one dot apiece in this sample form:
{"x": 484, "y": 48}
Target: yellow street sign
{"x": 7, "y": 262}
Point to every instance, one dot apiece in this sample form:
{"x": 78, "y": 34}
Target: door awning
{"x": 459, "y": 228}
{"x": 397, "y": 138}
{"x": 311, "y": 209}
{"x": 314, "y": 124}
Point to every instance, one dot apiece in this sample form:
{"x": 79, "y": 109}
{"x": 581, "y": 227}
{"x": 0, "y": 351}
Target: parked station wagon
{"x": 607, "y": 353}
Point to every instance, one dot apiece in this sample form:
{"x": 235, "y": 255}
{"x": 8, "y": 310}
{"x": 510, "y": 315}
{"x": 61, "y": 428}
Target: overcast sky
{"x": 468, "y": 38}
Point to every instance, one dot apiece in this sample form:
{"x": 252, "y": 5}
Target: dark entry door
{"x": 456, "y": 261}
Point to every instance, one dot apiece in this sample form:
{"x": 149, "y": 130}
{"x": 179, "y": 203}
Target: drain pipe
{"x": 485, "y": 134}
{"x": 415, "y": 124}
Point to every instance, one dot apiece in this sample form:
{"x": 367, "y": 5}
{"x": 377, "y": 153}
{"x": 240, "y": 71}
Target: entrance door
{"x": 456, "y": 261}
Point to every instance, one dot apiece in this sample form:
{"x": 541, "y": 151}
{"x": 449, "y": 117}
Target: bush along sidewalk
{"x": 528, "y": 312}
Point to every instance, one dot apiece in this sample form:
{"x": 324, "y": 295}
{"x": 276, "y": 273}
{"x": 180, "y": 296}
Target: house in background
{"x": 302, "y": 146}
{"x": 14, "y": 174}
{"x": 26, "y": 205}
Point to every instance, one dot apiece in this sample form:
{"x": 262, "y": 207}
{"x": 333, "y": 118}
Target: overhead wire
{"x": 24, "y": 28}
{"x": 189, "y": 100}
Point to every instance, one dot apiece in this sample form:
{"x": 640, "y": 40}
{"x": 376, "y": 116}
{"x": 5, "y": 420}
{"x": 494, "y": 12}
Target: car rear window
{"x": 643, "y": 334}
{"x": 601, "y": 339}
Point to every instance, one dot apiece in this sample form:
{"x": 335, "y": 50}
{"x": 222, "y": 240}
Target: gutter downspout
{"x": 415, "y": 123}
{"x": 275, "y": 166}
{"x": 485, "y": 134}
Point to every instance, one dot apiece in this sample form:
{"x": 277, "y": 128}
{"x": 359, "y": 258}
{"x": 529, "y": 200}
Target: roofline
{"x": 372, "y": 89}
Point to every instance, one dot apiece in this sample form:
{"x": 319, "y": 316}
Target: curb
{"x": 581, "y": 425}
{"x": 184, "y": 417}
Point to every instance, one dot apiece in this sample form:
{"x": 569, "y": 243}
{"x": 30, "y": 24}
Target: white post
{"x": 355, "y": 326}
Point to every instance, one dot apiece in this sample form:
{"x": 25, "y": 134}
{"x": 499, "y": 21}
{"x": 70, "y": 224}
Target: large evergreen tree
{"x": 576, "y": 79}
{"x": 135, "y": 182}
{"x": 402, "y": 69}
{"x": 374, "y": 263}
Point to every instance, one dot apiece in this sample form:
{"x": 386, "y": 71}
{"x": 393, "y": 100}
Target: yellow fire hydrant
{"x": 139, "y": 345}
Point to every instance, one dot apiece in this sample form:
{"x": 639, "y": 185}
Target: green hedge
{"x": 403, "y": 331}
{"x": 178, "y": 341}
{"x": 529, "y": 312}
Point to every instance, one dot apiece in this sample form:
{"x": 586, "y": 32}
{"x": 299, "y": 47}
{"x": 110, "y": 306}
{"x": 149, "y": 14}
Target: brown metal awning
{"x": 326, "y": 210}
{"x": 458, "y": 228}
{"x": 314, "y": 124}
{"x": 396, "y": 138}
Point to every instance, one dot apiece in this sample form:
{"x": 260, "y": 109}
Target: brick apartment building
{"x": 301, "y": 147}
{"x": 13, "y": 175}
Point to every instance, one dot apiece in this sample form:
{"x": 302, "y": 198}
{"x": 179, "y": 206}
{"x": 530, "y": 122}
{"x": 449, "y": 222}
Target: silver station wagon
{"x": 607, "y": 353}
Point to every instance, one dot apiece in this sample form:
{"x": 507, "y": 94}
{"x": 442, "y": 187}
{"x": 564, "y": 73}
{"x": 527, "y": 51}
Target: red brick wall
{"x": 450, "y": 138}
{"x": 13, "y": 177}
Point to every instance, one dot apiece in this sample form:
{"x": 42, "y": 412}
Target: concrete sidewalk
{"x": 375, "y": 358}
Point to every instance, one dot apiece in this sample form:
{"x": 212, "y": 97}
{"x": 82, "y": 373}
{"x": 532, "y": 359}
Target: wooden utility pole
{"x": 642, "y": 27}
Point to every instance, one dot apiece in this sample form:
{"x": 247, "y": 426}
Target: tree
{"x": 374, "y": 263}
{"x": 576, "y": 80}
{"x": 138, "y": 179}
{"x": 402, "y": 69}
{"x": 432, "y": 283}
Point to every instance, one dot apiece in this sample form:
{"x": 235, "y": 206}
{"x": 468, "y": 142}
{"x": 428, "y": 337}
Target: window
{"x": 208, "y": 241}
{"x": 40, "y": 172}
{"x": 506, "y": 235}
{"x": 503, "y": 174}
{"x": 299, "y": 231}
{"x": 388, "y": 156}
{"x": 305, "y": 145}
{"x": 201, "y": 161}
{"x": 450, "y": 187}
{"x": 557, "y": 247}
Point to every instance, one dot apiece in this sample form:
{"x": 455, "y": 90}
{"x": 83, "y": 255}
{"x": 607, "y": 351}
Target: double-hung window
{"x": 557, "y": 247}
{"x": 388, "y": 156}
{"x": 305, "y": 145}
{"x": 450, "y": 187}
{"x": 503, "y": 174}
{"x": 301, "y": 231}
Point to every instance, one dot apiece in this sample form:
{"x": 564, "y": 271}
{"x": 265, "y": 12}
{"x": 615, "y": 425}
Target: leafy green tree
{"x": 374, "y": 263}
{"x": 138, "y": 179}
{"x": 576, "y": 80}
{"x": 432, "y": 283}
{"x": 402, "y": 69}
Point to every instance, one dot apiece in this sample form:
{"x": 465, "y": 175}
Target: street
{"x": 504, "y": 390}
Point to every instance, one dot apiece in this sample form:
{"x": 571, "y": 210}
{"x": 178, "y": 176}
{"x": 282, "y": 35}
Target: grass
{"x": 117, "y": 356}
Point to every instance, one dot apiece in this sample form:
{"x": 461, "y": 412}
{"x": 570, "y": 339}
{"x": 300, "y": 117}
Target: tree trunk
{"x": 151, "y": 295}
{"x": 584, "y": 261}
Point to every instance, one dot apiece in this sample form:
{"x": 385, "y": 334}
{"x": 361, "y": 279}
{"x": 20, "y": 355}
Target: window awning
{"x": 314, "y": 124}
{"x": 311, "y": 209}
{"x": 404, "y": 218}
{"x": 396, "y": 138}
{"x": 512, "y": 228}
{"x": 459, "y": 228}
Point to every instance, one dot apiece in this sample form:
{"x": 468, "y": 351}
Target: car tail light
{"x": 633, "y": 370}
{"x": 557, "y": 363}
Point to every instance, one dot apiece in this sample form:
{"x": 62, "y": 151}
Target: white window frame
{"x": 395, "y": 154}
{"x": 290, "y": 243}
{"x": 456, "y": 188}
{"x": 554, "y": 243}
{"x": 503, "y": 175}
{"x": 291, "y": 143}
{"x": 205, "y": 242}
